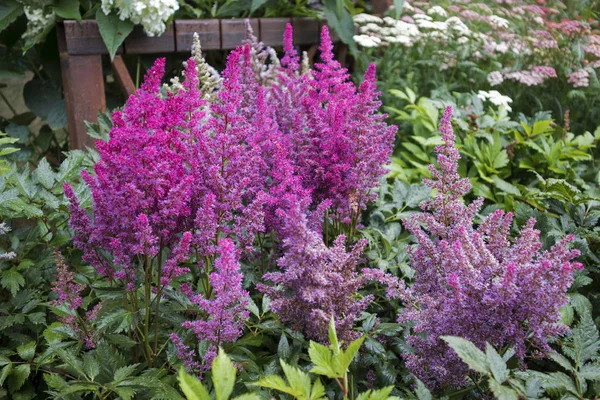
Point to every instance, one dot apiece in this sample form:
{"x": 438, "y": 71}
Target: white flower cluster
{"x": 4, "y": 229}
{"x": 151, "y": 14}
{"x": 375, "y": 31}
{"x": 37, "y": 21}
{"x": 496, "y": 98}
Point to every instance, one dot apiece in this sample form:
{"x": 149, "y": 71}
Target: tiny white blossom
{"x": 495, "y": 78}
{"x": 498, "y": 22}
{"x": 367, "y": 41}
{"x": 366, "y": 18}
{"x": 151, "y": 14}
{"x": 496, "y": 98}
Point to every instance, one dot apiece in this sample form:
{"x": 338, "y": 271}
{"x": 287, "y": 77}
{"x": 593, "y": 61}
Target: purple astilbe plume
{"x": 317, "y": 281}
{"x": 475, "y": 283}
{"x": 68, "y": 294}
{"x": 224, "y": 305}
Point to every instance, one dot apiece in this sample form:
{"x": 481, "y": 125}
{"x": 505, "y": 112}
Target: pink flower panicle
{"x": 473, "y": 283}
{"x": 226, "y": 309}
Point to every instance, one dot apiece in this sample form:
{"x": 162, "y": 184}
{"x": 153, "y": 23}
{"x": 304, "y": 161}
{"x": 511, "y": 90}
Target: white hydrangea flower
{"x": 367, "y": 18}
{"x": 495, "y": 78}
{"x": 151, "y": 14}
{"x": 437, "y": 10}
{"x": 502, "y": 47}
{"x": 496, "y": 98}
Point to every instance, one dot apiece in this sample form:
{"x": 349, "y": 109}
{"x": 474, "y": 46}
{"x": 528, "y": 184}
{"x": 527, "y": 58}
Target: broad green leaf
{"x": 113, "y": 30}
{"x": 27, "y": 351}
{"x": 124, "y": 372}
{"x": 398, "y": 6}
{"x": 591, "y": 372}
{"x": 247, "y": 396}
{"x": 18, "y": 377}
{"x": 10, "y": 10}
{"x": 68, "y": 9}
{"x": 496, "y": 364}
{"x": 505, "y": 186}
{"x": 318, "y": 390}
{"x": 502, "y": 392}
{"x": 283, "y": 348}
{"x": 350, "y": 352}
{"x": 256, "y": 4}
{"x": 469, "y": 353}
{"x": 91, "y": 367}
{"x": 223, "y": 374}
{"x": 277, "y": 383}
{"x": 6, "y": 370}
{"x": 191, "y": 387}
{"x": 421, "y": 390}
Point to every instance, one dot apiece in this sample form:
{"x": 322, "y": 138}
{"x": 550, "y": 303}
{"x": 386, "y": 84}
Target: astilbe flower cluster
{"x": 225, "y": 307}
{"x": 68, "y": 293}
{"x": 475, "y": 283}
{"x": 316, "y": 281}
{"x": 337, "y": 140}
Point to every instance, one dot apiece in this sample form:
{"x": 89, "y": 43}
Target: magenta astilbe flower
{"x": 142, "y": 190}
{"x": 226, "y": 309}
{"x": 473, "y": 282}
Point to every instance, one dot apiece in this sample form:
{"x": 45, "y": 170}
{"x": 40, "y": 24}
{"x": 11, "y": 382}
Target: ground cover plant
{"x": 266, "y": 232}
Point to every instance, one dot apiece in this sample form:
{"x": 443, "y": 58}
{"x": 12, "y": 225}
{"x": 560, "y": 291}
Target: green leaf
{"x": 496, "y": 364}
{"x": 277, "y": 383}
{"x": 469, "y": 353}
{"x": 503, "y": 392}
{"x": 223, "y": 374}
{"x": 191, "y": 387}
{"x": 41, "y": 97}
{"x": 398, "y": 6}
{"x": 323, "y": 359}
{"x": 256, "y": 4}
{"x": 506, "y": 186}
{"x": 333, "y": 340}
{"x": 12, "y": 280}
{"x": 44, "y": 174}
{"x": 591, "y": 372}
{"x": 283, "y": 348}
{"x": 350, "y": 352}
{"x": 113, "y": 30}
{"x": 421, "y": 390}
{"x": 68, "y": 9}
{"x": 18, "y": 377}
{"x": 10, "y": 10}
{"x": 298, "y": 380}
{"x": 124, "y": 372}
{"x": 27, "y": 351}
{"x": 91, "y": 367}
{"x": 247, "y": 396}
{"x": 5, "y": 373}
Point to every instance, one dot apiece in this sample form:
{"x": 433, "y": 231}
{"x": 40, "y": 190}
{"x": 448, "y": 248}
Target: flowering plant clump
{"x": 474, "y": 283}
{"x": 188, "y": 179}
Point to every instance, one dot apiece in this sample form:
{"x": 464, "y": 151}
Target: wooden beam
{"x": 83, "y": 87}
{"x": 122, "y": 76}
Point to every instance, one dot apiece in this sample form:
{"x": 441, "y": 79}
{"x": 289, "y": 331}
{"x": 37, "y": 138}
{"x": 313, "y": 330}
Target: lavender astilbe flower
{"x": 317, "y": 281}
{"x": 475, "y": 283}
{"x": 225, "y": 306}
{"x": 68, "y": 294}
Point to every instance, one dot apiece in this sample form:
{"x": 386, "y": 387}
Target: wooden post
{"x": 123, "y": 77}
{"x": 83, "y": 86}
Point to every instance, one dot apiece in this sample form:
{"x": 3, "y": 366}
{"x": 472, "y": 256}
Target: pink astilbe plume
{"x": 337, "y": 139}
{"x": 475, "y": 283}
{"x": 225, "y": 309}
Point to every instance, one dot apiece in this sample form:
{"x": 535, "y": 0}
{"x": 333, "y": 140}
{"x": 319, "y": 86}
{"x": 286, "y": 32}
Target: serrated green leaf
{"x": 421, "y": 390}
{"x": 124, "y": 372}
{"x": 6, "y": 370}
{"x": 468, "y": 353}
{"x": 18, "y": 377}
{"x": 322, "y": 357}
{"x": 298, "y": 380}
{"x": 502, "y": 392}
{"x": 91, "y": 367}
{"x": 223, "y": 374}
{"x": 191, "y": 387}
{"x": 283, "y": 348}
{"x": 12, "y": 280}
{"x": 44, "y": 174}
{"x": 113, "y": 30}
{"x": 27, "y": 351}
